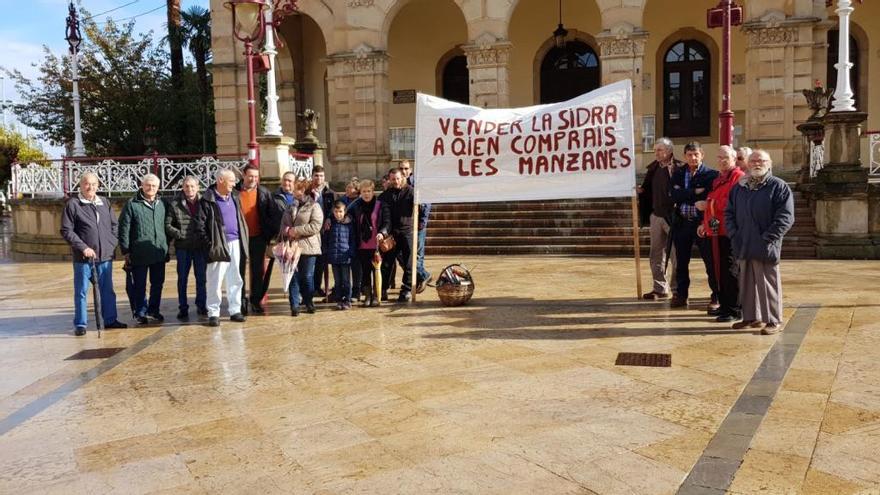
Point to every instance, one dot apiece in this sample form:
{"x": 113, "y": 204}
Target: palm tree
{"x": 175, "y": 43}
{"x": 196, "y": 35}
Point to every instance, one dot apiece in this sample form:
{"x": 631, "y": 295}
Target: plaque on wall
{"x": 404, "y": 96}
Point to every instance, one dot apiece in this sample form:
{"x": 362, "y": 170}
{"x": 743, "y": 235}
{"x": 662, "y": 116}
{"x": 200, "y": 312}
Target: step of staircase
{"x": 600, "y": 227}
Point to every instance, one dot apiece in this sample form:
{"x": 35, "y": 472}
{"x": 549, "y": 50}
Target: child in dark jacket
{"x": 341, "y": 252}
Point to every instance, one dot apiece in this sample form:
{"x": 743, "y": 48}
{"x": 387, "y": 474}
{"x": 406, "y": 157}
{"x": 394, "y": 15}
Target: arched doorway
{"x": 687, "y": 89}
{"x": 569, "y": 71}
{"x": 302, "y": 81}
{"x": 454, "y": 78}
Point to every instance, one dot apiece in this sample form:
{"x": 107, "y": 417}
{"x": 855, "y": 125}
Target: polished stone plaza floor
{"x": 515, "y": 393}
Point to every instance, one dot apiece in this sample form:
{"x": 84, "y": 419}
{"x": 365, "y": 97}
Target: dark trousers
{"x": 195, "y": 259}
{"x": 684, "y": 238}
{"x": 342, "y": 282}
{"x": 368, "y": 280}
{"x": 728, "y": 286}
{"x": 257, "y": 262}
{"x": 138, "y": 293}
{"x": 356, "y": 278}
{"x": 402, "y": 254}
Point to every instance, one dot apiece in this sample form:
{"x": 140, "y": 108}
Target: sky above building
{"x": 26, "y": 27}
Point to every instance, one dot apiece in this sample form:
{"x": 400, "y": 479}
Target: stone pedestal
{"x": 274, "y": 156}
{"x": 841, "y": 194}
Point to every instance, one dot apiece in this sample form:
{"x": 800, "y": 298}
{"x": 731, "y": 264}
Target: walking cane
{"x": 377, "y": 276}
{"x": 96, "y": 294}
{"x": 267, "y": 277}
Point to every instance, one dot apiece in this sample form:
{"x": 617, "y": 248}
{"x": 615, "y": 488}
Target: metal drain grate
{"x": 102, "y": 353}
{"x": 643, "y": 359}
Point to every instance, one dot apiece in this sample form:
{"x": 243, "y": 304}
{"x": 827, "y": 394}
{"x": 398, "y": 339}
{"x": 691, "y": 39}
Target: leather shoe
{"x": 771, "y": 329}
{"x": 678, "y": 302}
{"x": 238, "y": 318}
{"x": 213, "y": 321}
{"x": 294, "y": 311}
{"x": 258, "y": 309}
{"x": 384, "y": 296}
{"x": 115, "y": 324}
{"x": 141, "y": 319}
{"x": 183, "y": 315}
{"x": 728, "y": 317}
{"x": 310, "y": 309}
{"x": 156, "y": 316}
{"x": 747, "y": 324}
{"x": 202, "y": 312}
{"x": 79, "y": 331}
{"x": 714, "y": 311}
{"x": 404, "y": 297}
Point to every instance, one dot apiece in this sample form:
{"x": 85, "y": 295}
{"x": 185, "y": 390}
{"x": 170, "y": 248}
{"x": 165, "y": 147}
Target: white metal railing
{"x": 817, "y": 158}
{"x": 874, "y": 154}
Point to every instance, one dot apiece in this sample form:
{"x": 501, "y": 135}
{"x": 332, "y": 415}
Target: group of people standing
{"x": 736, "y": 215}
{"x": 226, "y": 231}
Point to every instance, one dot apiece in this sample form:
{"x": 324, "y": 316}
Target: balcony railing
{"x": 874, "y": 154}
{"x": 122, "y": 175}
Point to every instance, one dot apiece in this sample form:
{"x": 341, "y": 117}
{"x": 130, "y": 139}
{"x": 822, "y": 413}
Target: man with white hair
{"x": 143, "y": 242}
{"x": 180, "y": 227}
{"x": 89, "y": 226}
{"x": 656, "y": 209}
{"x": 760, "y": 211}
{"x": 742, "y": 157}
{"x": 223, "y": 231}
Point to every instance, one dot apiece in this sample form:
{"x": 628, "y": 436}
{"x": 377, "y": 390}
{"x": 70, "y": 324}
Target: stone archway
{"x": 301, "y": 73}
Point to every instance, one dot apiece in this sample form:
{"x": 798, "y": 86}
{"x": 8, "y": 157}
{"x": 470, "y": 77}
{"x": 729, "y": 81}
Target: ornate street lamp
{"x": 560, "y": 33}
{"x": 248, "y": 26}
{"x": 74, "y": 38}
{"x": 277, "y": 10}
{"x": 725, "y": 15}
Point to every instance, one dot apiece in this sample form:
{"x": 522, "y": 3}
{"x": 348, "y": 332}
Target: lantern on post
{"x": 73, "y": 36}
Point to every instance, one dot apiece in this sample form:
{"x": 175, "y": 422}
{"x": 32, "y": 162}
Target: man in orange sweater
{"x": 713, "y": 228}
{"x": 257, "y": 207}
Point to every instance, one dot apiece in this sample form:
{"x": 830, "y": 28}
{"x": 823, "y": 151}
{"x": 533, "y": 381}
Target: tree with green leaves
{"x": 16, "y": 148}
{"x": 127, "y": 98}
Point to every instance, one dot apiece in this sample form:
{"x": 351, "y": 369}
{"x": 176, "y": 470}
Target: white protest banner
{"x": 580, "y": 148}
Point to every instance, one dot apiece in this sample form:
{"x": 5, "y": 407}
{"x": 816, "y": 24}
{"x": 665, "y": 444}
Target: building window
{"x": 833, "y": 44}
{"x": 456, "y": 84}
{"x": 569, "y": 72}
{"x": 686, "y": 89}
{"x": 403, "y": 143}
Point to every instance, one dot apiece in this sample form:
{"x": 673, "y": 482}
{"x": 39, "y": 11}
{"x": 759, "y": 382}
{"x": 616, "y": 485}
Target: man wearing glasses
{"x": 759, "y": 213}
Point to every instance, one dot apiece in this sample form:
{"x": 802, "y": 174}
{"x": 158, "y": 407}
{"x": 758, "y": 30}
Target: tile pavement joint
{"x": 716, "y": 468}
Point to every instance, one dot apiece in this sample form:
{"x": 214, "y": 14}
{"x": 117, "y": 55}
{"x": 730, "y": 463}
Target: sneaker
{"x": 156, "y": 316}
{"x": 346, "y": 305}
{"x": 115, "y": 324}
{"x": 213, "y": 321}
{"x": 424, "y": 284}
{"x": 655, "y": 296}
{"x": 404, "y": 297}
{"x": 728, "y": 317}
{"x": 771, "y": 329}
{"x": 747, "y": 324}
{"x": 183, "y": 315}
{"x": 238, "y": 318}
{"x": 678, "y": 302}
{"x": 141, "y": 319}
{"x": 79, "y": 331}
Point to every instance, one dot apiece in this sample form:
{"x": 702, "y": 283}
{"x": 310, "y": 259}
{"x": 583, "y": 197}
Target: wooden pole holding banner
{"x": 637, "y": 244}
{"x": 414, "y": 257}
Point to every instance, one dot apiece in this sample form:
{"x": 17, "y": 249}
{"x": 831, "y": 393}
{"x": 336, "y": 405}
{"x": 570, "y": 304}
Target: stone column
{"x": 359, "y": 97}
{"x": 488, "y": 61}
{"x": 622, "y": 56}
{"x": 841, "y": 192}
{"x": 779, "y": 60}
{"x": 230, "y": 84}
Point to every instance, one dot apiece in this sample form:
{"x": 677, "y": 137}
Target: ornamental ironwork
{"x": 874, "y": 153}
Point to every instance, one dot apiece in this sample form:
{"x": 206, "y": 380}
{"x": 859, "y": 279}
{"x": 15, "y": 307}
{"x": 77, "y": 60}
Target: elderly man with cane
{"x": 89, "y": 226}
{"x": 760, "y": 211}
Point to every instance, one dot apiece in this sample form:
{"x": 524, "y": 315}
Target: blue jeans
{"x": 303, "y": 282}
{"x": 196, "y": 260}
{"x": 81, "y": 285}
{"x": 420, "y": 256}
{"x": 342, "y": 281}
{"x": 138, "y": 292}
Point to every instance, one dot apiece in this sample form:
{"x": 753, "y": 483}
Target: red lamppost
{"x": 725, "y": 15}
{"x": 248, "y": 26}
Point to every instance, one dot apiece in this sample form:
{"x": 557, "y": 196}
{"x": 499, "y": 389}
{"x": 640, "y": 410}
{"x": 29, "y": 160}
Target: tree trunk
{"x": 175, "y": 43}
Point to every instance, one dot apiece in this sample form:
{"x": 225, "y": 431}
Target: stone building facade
{"x": 356, "y": 63}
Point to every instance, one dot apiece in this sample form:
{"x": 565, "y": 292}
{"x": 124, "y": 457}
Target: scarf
{"x": 365, "y": 219}
{"x": 755, "y": 182}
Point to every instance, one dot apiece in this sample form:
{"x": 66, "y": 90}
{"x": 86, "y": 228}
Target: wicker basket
{"x": 456, "y": 294}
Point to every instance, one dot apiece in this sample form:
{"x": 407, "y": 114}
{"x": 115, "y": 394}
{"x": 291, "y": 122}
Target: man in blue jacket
{"x": 760, "y": 211}
{"x": 89, "y": 226}
{"x": 691, "y": 184}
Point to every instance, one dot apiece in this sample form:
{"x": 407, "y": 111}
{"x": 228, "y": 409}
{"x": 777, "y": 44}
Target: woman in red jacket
{"x": 713, "y": 228}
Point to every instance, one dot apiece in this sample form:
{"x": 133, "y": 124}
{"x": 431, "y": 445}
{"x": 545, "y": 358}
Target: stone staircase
{"x": 600, "y": 227}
